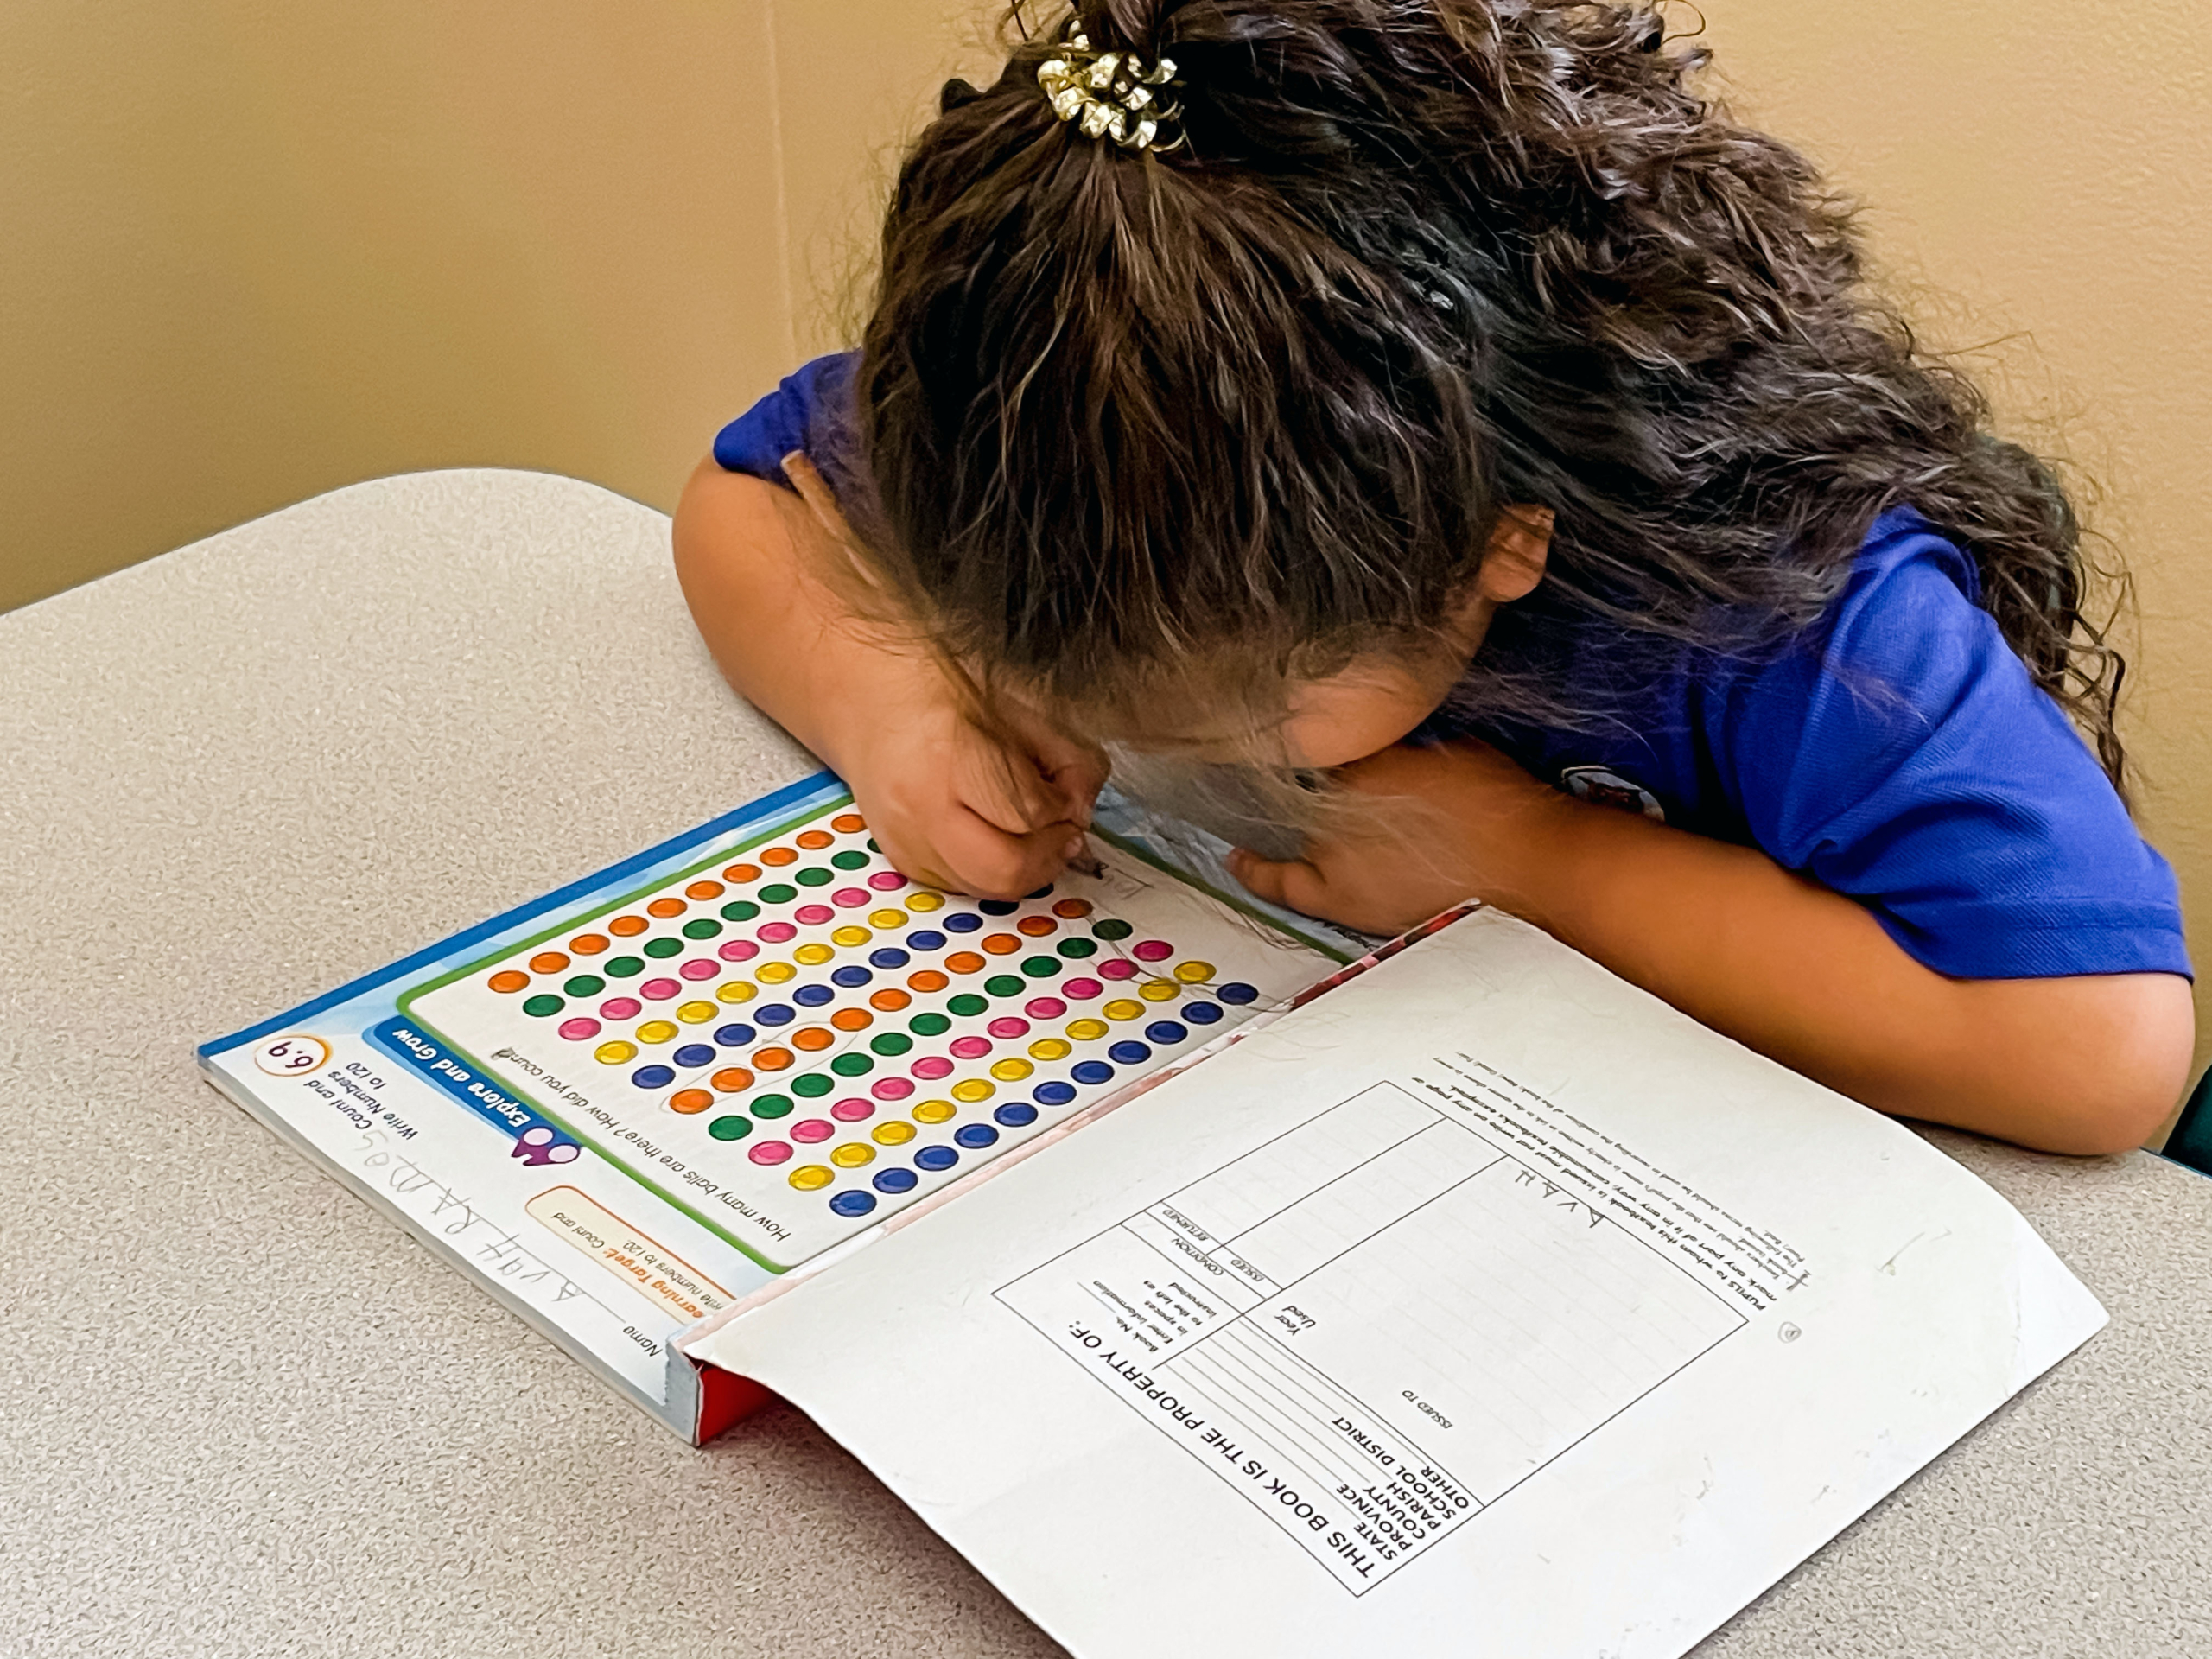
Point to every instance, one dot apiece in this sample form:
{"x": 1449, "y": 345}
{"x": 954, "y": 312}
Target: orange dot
{"x": 588, "y": 944}
{"x": 849, "y": 823}
{"x": 815, "y": 839}
{"x": 625, "y": 926}
{"x": 666, "y": 908}
{"x": 1073, "y": 908}
{"x": 703, "y": 891}
{"x": 963, "y": 962}
{"x": 548, "y": 961}
{"x": 852, "y": 1019}
{"x": 687, "y": 1101}
{"x": 812, "y": 1039}
{"x": 1002, "y": 944}
{"x": 890, "y": 1001}
{"x": 1037, "y": 926}
{"x": 509, "y": 981}
{"x": 927, "y": 981}
{"x": 741, "y": 874}
{"x": 772, "y": 1060}
{"x": 779, "y": 856}
{"x": 732, "y": 1079}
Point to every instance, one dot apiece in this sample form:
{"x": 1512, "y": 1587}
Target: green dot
{"x": 730, "y": 1129}
{"x": 771, "y": 1106}
{"x": 894, "y": 1043}
{"x": 929, "y": 1025}
{"x": 1041, "y": 967}
{"x": 705, "y": 928}
{"x": 741, "y": 910}
{"x": 812, "y": 1086}
{"x": 1076, "y": 949}
{"x": 624, "y": 967}
{"x": 852, "y": 1066}
{"x": 967, "y": 1003}
{"x": 777, "y": 892}
{"x": 1004, "y": 985}
{"x": 585, "y": 985}
{"x": 815, "y": 876}
{"x": 1113, "y": 929}
{"x": 850, "y": 860}
{"x": 538, "y": 1007}
{"x": 871, "y": 847}
{"x": 664, "y": 947}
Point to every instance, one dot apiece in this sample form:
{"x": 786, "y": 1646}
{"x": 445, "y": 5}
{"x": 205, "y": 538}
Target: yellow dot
{"x": 926, "y": 901}
{"x": 695, "y": 1013}
{"x": 973, "y": 1090}
{"x": 1194, "y": 972}
{"x": 850, "y": 936}
{"x": 894, "y": 1135}
{"x": 811, "y": 1177}
{"x": 736, "y": 991}
{"x": 935, "y": 1111}
{"x": 814, "y": 955}
{"x": 1048, "y": 1048}
{"x": 1160, "y": 990}
{"x": 853, "y": 1154}
{"x": 614, "y": 1053}
{"x": 1012, "y": 1071}
{"x": 1087, "y": 1031}
{"x": 773, "y": 973}
{"x": 656, "y": 1031}
{"x": 1122, "y": 1009}
{"x": 886, "y": 919}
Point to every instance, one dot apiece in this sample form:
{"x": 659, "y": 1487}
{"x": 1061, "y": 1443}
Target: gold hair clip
{"x": 1109, "y": 95}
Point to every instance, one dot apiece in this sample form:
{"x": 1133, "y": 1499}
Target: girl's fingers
{"x": 990, "y": 863}
{"x": 1291, "y": 882}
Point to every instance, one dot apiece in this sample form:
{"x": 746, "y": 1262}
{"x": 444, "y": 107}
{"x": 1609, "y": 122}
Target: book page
{"x": 1485, "y": 1306}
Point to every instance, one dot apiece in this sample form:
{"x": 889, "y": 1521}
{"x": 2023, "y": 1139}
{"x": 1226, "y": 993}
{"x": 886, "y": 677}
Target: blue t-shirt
{"x": 1897, "y": 752}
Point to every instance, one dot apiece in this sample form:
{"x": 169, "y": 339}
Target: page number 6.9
{"x": 292, "y": 1056}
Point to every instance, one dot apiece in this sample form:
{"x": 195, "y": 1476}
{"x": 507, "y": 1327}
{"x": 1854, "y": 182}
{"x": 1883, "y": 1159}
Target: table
{"x": 240, "y": 1413}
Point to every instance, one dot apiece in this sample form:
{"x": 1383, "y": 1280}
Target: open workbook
{"x": 1188, "y": 1267}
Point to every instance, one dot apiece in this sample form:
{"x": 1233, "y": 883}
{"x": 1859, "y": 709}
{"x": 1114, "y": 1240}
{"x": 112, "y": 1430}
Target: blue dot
{"x": 927, "y": 940}
{"x": 773, "y": 1013}
{"x": 888, "y": 957}
{"x": 693, "y": 1054}
{"x": 897, "y": 1180}
{"x": 735, "y": 1036}
{"x": 852, "y": 1203}
{"x": 976, "y": 1134}
{"x": 1129, "y": 1053}
{"x": 1237, "y": 991}
{"x": 811, "y": 996}
{"x": 1016, "y": 1115}
{"x": 1054, "y": 1094}
{"x": 1045, "y": 891}
{"x": 851, "y": 977}
{"x": 1201, "y": 1013}
{"x": 653, "y": 1076}
{"x": 935, "y": 1157}
{"x": 997, "y": 907}
{"x": 963, "y": 921}
{"x": 1166, "y": 1031}
{"x": 1090, "y": 1071}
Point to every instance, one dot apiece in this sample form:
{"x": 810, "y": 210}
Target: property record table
{"x": 241, "y": 1414}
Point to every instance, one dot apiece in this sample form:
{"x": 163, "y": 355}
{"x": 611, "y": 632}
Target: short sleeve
{"x": 1901, "y": 755}
{"x": 809, "y": 411}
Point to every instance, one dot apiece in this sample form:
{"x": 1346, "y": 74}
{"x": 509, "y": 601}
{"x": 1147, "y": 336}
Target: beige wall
{"x": 251, "y": 252}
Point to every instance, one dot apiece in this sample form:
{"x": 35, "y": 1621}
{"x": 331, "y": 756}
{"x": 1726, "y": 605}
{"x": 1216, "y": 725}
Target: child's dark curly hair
{"x": 1259, "y": 400}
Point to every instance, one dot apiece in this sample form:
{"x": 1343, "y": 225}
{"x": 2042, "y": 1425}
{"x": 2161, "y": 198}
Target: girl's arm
{"x": 2088, "y": 1063}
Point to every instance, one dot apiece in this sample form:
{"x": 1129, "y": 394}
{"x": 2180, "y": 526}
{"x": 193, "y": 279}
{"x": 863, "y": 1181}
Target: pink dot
{"x": 1081, "y": 989}
{"x": 848, "y": 897}
{"x": 891, "y": 1088}
{"x": 1117, "y": 967}
{"x": 576, "y": 1030}
{"x": 741, "y": 950}
{"x": 698, "y": 968}
{"x": 659, "y": 990}
{"x": 853, "y": 1111}
{"x": 930, "y": 1069}
{"x": 1008, "y": 1028}
{"x": 808, "y": 1130}
{"x": 887, "y": 880}
{"x": 813, "y": 915}
{"x": 771, "y": 1152}
{"x": 1045, "y": 1008}
{"x": 968, "y": 1048}
{"x": 620, "y": 1007}
{"x": 777, "y": 932}
{"x": 1152, "y": 949}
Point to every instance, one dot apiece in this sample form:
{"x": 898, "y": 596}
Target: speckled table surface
{"x": 240, "y": 1413}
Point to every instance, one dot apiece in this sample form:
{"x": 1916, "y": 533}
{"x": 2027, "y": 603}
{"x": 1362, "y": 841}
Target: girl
{"x": 1363, "y": 402}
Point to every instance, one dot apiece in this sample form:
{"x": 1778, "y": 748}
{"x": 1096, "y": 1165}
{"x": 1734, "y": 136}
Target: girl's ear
{"x": 1514, "y": 563}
